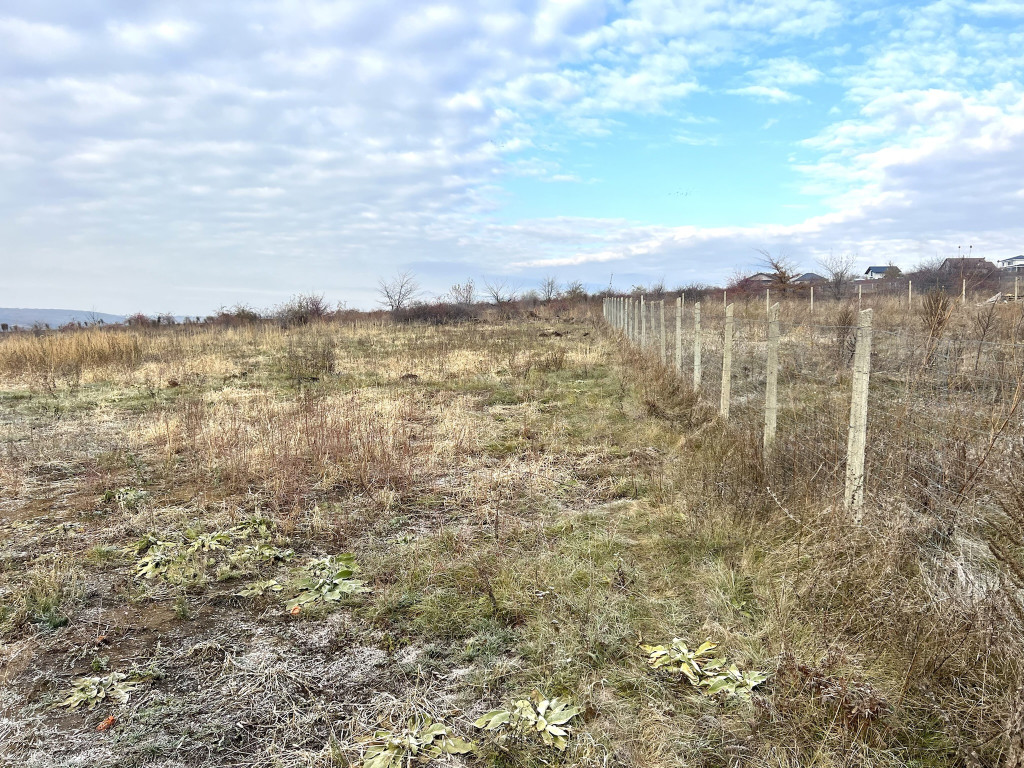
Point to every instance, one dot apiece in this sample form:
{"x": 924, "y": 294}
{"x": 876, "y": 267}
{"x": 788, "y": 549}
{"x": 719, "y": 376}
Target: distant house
{"x": 1012, "y": 264}
{"x": 760, "y": 277}
{"x": 809, "y": 278}
{"x": 964, "y": 266}
{"x": 873, "y": 273}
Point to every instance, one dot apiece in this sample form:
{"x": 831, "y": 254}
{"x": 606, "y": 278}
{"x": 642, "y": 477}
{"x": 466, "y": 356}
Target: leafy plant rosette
{"x": 115, "y": 687}
{"x": 328, "y": 579}
{"x": 180, "y": 561}
{"x": 539, "y": 716}
{"x": 421, "y": 741}
{"x": 704, "y": 670}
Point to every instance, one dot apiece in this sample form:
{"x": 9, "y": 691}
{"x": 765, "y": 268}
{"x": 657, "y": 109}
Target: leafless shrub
{"x": 549, "y": 288}
{"x": 838, "y": 269}
{"x": 780, "y": 266}
{"x": 499, "y": 291}
{"x": 463, "y": 293}
{"x": 399, "y": 291}
{"x": 303, "y": 309}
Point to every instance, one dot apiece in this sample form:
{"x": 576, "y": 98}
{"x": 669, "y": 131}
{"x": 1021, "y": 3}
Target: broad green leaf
{"x": 493, "y": 719}
{"x": 564, "y": 716}
{"x": 457, "y": 746}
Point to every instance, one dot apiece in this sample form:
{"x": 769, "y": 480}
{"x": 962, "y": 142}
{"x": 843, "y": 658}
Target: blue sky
{"x": 175, "y": 157}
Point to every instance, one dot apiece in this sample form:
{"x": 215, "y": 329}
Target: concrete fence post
{"x": 696, "y": 346}
{"x": 723, "y": 407}
{"x": 771, "y": 392}
{"x": 812, "y": 299}
{"x": 856, "y": 444}
{"x": 679, "y": 334}
{"x": 643, "y": 322}
{"x": 664, "y": 341}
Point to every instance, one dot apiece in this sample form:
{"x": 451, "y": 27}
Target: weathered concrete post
{"x": 696, "y": 346}
{"x": 679, "y": 334}
{"x": 664, "y": 341}
{"x": 857, "y": 441}
{"x": 723, "y": 407}
{"x": 643, "y": 322}
{"x": 771, "y": 393}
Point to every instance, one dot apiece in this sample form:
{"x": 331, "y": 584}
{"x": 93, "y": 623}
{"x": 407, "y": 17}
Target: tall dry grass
{"x": 294, "y": 450}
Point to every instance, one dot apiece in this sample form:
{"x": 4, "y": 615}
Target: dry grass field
{"x": 268, "y": 546}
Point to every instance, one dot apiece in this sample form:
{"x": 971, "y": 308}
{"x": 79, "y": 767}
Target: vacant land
{"x": 291, "y": 546}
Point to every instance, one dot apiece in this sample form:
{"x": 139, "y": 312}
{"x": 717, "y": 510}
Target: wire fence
{"x": 894, "y": 419}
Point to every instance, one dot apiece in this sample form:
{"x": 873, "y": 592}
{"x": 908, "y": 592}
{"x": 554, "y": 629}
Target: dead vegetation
{"x": 321, "y": 545}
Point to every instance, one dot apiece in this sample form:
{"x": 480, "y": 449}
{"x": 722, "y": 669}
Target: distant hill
{"x": 26, "y": 318}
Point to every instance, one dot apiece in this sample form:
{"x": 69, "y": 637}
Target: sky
{"x": 179, "y": 157}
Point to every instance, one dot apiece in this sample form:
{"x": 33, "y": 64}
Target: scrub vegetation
{"x": 505, "y": 540}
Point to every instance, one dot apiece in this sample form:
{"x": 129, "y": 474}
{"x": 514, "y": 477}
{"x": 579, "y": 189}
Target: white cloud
{"x": 37, "y": 41}
{"x": 785, "y": 72}
{"x": 774, "y": 79}
{"x": 141, "y": 37}
{"x": 764, "y": 92}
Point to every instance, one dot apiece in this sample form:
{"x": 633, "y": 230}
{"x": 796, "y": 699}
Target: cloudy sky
{"x": 163, "y": 156}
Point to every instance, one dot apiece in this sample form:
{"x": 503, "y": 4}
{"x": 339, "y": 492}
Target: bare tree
{"x": 575, "y": 291}
{"x": 463, "y": 293}
{"x": 782, "y": 268}
{"x": 838, "y": 271}
{"x": 499, "y": 291}
{"x": 398, "y": 292}
{"x": 549, "y": 288}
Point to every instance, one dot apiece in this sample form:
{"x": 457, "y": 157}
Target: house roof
{"x": 1012, "y": 259}
{"x": 761, "y": 277}
{"x": 809, "y": 277}
{"x": 961, "y": 264}
{"x": 876, "y": 270}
